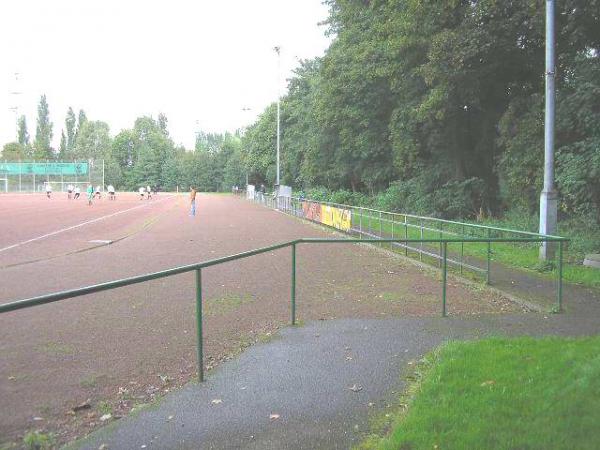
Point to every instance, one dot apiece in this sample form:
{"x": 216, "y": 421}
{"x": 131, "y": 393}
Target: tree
{"x": 82, "y": 119}
{"x": 43, "y": 132}
{"x": 13, "y": 151}
{"x": 62, "y": 149}
{"x": 71, "y": 126}
{"x": 23, "y": 134}
{"x": 93, "y": 140}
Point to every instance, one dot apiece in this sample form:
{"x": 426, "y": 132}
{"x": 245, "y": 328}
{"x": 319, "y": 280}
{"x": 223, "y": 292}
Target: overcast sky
{"x": 199, "y": 62}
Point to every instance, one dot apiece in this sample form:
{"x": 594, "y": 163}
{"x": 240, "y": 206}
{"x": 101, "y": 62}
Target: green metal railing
{"x": 378, "y": 224}
{"x": 50, "y": 298}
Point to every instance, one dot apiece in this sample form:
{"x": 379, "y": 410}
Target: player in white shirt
{"x": 99, "y": 191}
{"x": 149, "y": 192}
{"x": 141, "y": 191}
{"x": 111, "y": 192}
{"x": 77, "y": 192}
{"x": 69, "y": 191}
{"x": 48, "y": 190}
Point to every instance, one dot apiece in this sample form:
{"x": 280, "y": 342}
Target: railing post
{"x": 441, "y": 245}
{"x": 560, "y": 275}
{"x": 421, "y": 243}
{"x": 405, "y": 235}
{"x": 444, "y": 277}
{"x": 462, "y": 249}
{"x": 360, "y": 223}
{"x": 393, "y": 231}
{"x": 199, "y": 324}
{"x": 380, "y": 228}
{"x": 293, "y": 293}
{"x": 489, "y": 256}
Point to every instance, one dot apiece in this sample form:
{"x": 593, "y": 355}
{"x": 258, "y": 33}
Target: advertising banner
{"x": 41, "y": 168}
{"x": 312, "y": 211}
{"x": 328, "y": 215}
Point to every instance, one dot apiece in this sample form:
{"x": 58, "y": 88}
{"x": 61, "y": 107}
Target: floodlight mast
{"x": 278, "y": 51}
{"x": 549, "y": 196}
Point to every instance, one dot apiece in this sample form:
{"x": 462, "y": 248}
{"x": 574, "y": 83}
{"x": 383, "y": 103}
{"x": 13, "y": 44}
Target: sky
{"x": 199, "y": 62}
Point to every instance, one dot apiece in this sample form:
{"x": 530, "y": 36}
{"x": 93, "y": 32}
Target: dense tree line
{"x": 438, "y": 107}
{"x": 140, "y": 156}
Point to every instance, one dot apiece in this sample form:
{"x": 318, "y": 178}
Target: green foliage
{"x": 13, "y": 151}
{"x": 70, "y": 125}
{"x": 35, "y": 440}
{"x": 438, "y": 108}
{"x": 23, "y": 134}
{"x": 43, "y": 132}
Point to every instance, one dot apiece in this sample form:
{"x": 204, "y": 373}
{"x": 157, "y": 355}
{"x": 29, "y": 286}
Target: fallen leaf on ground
{"x": 84, "y": 405}
{"x": 274, "y": 416}
{"x": 216, "y": 401}
{"x": 488, "y": 383}
{"x": 348, "y": 358}
{"x": 355, "y": 388}
{"x": 169, "y": 418}
{"x": 105, "y": 417}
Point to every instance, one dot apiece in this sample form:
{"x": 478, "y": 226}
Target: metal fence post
{"x": 393, "y": 231}
{"x": 199, "y": 324}
{"x": 462, "y": 249}
{"x": 444, "y": 277}
{"x": 360, "y": 223}
{"x": 489, "y": 256}
{"x": 405, "y": 235}
{"x": 293, "y": 293}
{"x": 380, "y": 228}
{"x": 560, "y": 275}
{"x": 421, "y": 243}
{"x": 441, "y": 245}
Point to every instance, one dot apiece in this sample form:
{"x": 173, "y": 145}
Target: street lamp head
{"x": 277, "y": 49}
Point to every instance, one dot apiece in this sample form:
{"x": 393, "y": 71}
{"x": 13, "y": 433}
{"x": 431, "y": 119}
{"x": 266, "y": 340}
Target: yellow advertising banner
{"x": 336, "y": 217}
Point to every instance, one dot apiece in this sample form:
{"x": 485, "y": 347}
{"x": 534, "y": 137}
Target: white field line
{"x": 97, "y": 219}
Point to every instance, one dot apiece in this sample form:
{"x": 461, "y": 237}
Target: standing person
{"x": 141, "y": 191}
{"x": 69, "y": 191}
{"x": 149, "y": 192}
{"x": 77, "y": 192}
{"x": 99, "y": 191}
{"x": 111, "y": 192}
{"x": 48, "y": 190}
{"x": 192, "y": 201}
{"x": 90, "y": 194}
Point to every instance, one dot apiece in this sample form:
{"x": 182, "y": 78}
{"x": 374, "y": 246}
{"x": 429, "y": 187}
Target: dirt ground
{"x": 124, "y": 348}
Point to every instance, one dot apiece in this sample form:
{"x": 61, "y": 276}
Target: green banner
{"x": 40, "y": 168}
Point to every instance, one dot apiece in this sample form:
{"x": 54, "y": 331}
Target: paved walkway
{"x": 305, "y": 376}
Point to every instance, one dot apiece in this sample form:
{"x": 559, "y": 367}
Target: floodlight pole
{"x": 278, "y": 51}
{"x": 549, "y": 196}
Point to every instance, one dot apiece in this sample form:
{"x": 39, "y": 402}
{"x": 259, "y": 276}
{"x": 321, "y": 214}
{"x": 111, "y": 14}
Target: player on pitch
{"x": 192, "y": 201}
{"x": 69, "y": 191}
{"x": 111, "y": 192}
{"x": 48, "y": 190}
{"x": 90, "y": 194}
{"x": 77, "y": 192}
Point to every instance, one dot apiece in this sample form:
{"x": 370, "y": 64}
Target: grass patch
{"x": 56, "y": 348}
{"x": 35, "y": 440}
{"x": 225, "y": 304}
{"x": 497, "y": 393}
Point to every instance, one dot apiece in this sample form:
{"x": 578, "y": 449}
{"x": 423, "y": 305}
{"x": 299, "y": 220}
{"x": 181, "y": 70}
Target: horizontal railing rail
{"x": 58, "y": 296}
{"x": 375, "y": 223}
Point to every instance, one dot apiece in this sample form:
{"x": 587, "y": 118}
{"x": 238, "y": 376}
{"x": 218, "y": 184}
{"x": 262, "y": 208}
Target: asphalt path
{"x": 312, "y": 387}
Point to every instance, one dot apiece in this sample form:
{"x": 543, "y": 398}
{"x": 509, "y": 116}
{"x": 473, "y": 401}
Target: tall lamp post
{"x": 549, "y": 196}
{"x": 278, "y": 51}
